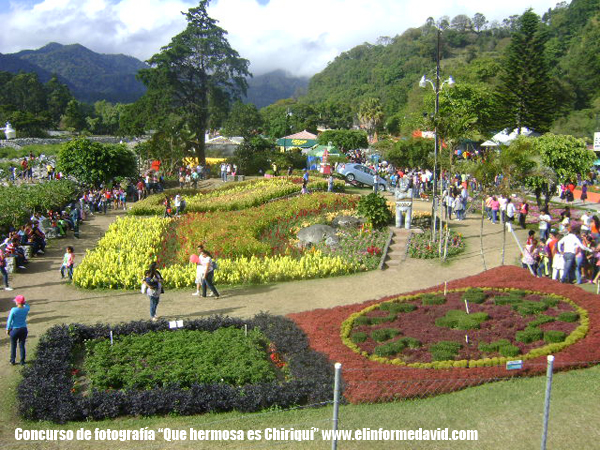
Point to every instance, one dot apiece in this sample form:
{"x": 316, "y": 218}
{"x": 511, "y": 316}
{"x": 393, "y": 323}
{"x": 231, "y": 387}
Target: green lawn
{"x": 506, "y": 414}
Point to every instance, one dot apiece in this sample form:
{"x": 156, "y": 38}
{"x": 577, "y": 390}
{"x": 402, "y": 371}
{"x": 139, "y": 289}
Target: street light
{"x": 288, "y": 114}
{"x": 437, "y": 88}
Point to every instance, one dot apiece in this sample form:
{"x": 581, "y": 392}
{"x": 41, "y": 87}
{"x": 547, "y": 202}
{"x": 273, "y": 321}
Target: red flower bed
{"x": 503, "y": 323}
{"x": 370, "y": 381}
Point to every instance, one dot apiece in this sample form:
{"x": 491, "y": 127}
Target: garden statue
{"x": 9, "y": 131}
{"x": 404, "y": 202}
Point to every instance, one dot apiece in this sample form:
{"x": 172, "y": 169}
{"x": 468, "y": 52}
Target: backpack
{"x": 215, "y": 266}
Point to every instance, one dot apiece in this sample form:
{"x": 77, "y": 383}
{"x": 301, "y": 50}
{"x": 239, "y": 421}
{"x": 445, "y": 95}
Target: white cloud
{"x": 300, "y": 36}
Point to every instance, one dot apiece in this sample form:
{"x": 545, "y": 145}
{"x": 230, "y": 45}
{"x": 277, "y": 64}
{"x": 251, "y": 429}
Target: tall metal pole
{"x": 336, "y": 402}
{"x": 435, "y": 145}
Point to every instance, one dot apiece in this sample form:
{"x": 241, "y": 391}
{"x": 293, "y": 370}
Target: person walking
{"x": 457, "y": 205}
{"x": 16, "y": 329}
{"x": 544, "y": 224}
{"x": 523, "y": 213}
{"x": 510, "y": 211}
{"x": 205, "y": 272}
{"x": 584, "y": 194}
{"x": 68, "y": 263}
{"x": 152, "y": 286}
{"x": 495, "y": 205}
{"x": 4, "y": 271}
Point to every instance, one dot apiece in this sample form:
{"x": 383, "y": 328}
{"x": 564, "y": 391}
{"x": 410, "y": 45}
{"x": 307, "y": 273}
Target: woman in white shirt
{"x": 205, "y": 273}
{"x": 544, "y": 224}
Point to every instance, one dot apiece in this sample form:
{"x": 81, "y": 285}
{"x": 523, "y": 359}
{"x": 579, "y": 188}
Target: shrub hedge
{"x": 46, "y": 391}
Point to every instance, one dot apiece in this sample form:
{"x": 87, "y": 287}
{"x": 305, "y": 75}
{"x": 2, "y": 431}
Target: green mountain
{"x": 93, "y": 76}
{"x": 472, "y": 53}
{"x": 90, "y": 76}
{"x": 266, "y": 89}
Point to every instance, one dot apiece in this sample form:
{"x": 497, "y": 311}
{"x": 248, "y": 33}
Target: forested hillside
{"x": 90, "y": 76}
{"x": 473, "y": 52}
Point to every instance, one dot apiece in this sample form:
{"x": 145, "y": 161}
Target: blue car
{"x": 361, "y": 174}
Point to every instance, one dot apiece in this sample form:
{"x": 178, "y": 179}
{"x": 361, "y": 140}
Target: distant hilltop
{"x": 94, "y": 76}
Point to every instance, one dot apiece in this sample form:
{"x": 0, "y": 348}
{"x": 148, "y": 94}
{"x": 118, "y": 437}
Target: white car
{"x": 362, "y": 174}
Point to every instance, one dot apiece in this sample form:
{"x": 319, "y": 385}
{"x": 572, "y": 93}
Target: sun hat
{"x": 19, "y": 300}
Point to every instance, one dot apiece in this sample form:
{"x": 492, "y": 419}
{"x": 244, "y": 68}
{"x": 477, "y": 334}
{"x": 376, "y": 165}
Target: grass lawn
{"x": 506, "y": 414}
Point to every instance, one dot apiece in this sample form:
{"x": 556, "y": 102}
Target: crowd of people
{"x": 569, "y": 253}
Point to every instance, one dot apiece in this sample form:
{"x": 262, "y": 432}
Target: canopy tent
{"x": 303, "y": 140}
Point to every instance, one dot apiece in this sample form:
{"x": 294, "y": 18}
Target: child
{"x": 68, "y": 263}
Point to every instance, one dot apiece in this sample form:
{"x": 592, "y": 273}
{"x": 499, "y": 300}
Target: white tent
{"x": 505, "y": 138}
{"x": 490, "y": 143}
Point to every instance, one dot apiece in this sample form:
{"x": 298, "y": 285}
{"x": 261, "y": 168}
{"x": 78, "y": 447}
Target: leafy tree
{"x": 169, "y": 144}
{"x": 461, "y": 22}
{"x": 93, "y": 163}
{"x": 370, "y": 116}
{"x": 58, "y": 97}
{"x": 74, "y": 117}
{"x": 108, "y": 116}
{"x": 289, "y": 116}
{"x": 198, "y": 72}
{"x": 525, "y": 96}
{"x": 26, "y": 93}
{"x": 244, "y": 119}
{"x": 566, "y": 155}
{"x": 335, "y": 115}
{"x": 413, "y": 152}
{"x": 253, "y": 155}
{"x": 29, "y": 124}
{"x": 344, "y": 139}
{"x": 479, "y": 22}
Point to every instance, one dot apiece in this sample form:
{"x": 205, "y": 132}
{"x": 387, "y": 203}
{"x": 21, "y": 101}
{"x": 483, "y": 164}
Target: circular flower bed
{"x": 368, "y": 380}
{"x": 434, "y": 330}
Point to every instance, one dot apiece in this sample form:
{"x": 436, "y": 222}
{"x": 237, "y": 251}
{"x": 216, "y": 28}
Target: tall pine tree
{"x": 525, "y": 95}
{"x": 199, "y": 72}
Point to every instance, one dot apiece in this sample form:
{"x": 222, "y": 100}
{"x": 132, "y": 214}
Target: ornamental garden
{"x": 414, "y": 345}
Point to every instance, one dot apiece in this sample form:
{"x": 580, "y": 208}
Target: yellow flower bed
{"x": 122, "y": 255}
{"x": 256, "y": 270}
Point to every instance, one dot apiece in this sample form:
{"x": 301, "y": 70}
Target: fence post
{"x": 547, "y": 400}
{"x": 336, "y": 403}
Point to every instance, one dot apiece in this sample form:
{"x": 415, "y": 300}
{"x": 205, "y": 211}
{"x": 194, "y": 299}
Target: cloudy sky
{"x": 301, "y": 36}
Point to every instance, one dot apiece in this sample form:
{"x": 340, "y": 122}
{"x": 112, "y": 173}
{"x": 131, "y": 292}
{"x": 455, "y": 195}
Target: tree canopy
{"x": 198, "y": 73}
{"x": 93, "y": 163}
{"x": 525, "y": 95}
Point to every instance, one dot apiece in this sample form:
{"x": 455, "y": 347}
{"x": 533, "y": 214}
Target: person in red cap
{"x": 16, "y": 328}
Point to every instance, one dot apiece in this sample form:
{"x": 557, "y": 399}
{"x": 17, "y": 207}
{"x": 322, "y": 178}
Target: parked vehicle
{"x": 361, "y": 174}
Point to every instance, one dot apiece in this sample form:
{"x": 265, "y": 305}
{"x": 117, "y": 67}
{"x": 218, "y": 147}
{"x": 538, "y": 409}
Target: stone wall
{"x": 22, "y": 142}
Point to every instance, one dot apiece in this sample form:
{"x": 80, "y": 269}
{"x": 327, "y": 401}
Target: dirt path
{"x": 54, "y": 301}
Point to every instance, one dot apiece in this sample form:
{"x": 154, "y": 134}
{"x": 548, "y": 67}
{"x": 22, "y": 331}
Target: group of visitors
{"x": 174, "y": 207}
{"x": 102, "y": 199}
{"x": 228, "y": 169}
{"x": 569, "y": 253}
{"x": 153, "y": 283}
{"x": 503, "y": 209}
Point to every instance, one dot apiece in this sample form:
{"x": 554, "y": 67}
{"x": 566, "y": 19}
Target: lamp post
{"x": 288, "y": 114}
{"x": 437, "y": 88}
